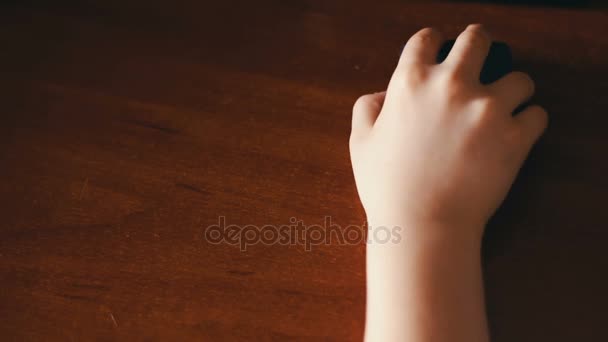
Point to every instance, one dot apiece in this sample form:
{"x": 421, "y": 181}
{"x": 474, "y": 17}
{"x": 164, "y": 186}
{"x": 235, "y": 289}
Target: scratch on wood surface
{"x": 190, "y": 187}
{"x": 113, "y": 320}
{"x": 152, "y": 125}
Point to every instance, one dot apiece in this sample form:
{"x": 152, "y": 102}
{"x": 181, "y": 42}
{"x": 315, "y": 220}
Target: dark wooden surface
{"x": 129, "y": 127}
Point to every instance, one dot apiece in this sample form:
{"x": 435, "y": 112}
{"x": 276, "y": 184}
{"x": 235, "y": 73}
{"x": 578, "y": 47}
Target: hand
{"x": 438, "y": 147}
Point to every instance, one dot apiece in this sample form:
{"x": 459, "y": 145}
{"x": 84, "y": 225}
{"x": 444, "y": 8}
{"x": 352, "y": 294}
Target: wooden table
{"x": 130, "y": 127}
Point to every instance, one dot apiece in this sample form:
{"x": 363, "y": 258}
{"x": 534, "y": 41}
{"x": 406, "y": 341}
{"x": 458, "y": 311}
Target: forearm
{"x": 426, "y": 287}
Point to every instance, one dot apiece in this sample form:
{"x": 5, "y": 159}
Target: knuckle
{"x": 362, "y": 103}
{"x": 520, "y": 79}
{"x": 485, "y": 105}
{"x": 474, "y": 36}
{"x": 409, "y": 78}
{"x": 449, "y": 79}
{"x": 416, "y": 75}
{"x": 528, "y": 81}
{"x": 544, "y": 115}
{"x": 482, "y": 109}
{"x": 541, "y": 116}
{"x": 450, "y": 84}
{"x": 424, "y": 34}
{"x": 417, "y": 38}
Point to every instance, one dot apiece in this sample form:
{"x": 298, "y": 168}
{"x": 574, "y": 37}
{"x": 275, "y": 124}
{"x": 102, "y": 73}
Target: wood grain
{"x": 131, "y": 126}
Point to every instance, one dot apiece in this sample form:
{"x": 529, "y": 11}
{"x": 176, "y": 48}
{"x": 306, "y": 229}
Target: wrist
{"x": 393, "y": 230}
{"x": 433, "y": 271}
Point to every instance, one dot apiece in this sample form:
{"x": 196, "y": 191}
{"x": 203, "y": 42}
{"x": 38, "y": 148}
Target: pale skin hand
{"x": 436, "y": 154}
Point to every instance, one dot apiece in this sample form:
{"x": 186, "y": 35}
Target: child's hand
{"x": 438, "y": 147}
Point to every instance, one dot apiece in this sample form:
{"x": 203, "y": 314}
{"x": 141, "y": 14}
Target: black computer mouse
{"x": 497, "y": 64}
